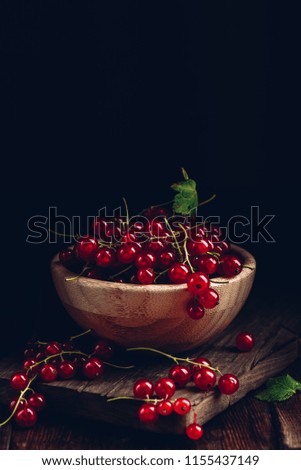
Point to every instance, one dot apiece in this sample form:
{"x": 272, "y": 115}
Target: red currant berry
{"x": 13, "y": 403}
{"x": 207, "y": 264}
{"x": 105, "y": 257}
{"x": 182, "y": 406}
{"x": 200, "y": 360}
{"x": 93, "y": 368}
{"x": 205, "y": 379}
{"x": 66, "y": 257}
{"x": 143, "y": 388}
{"x": 209, "y": 299}
{"x": 245, "y": 341}
{"x": 30, "y": 364}
{"x": 157, "y": 246}
{"x": 165, "y": 388}
{"x": 198, "y": 283}
{"x": 103, "y": 350}
{"x": 181, "y": 375}
{"x": 194, "y": 431}
{"x": 19, "y": 381}
{"x": 166, "y": 259}
{"x": 164, "y": 407}
{"x": 230, "y": 266}
{"x": 37, "y": 401}
{"x": 145, "y": 276}
{"x": 178, "y": 273}
{"x": 48, "y": 373}
{"x": 26, "y": 417}
{"x": 94, "y": 274}
{"x": 127, "y": 253}
{"x": 53, "y": 348}
{"x": 224, "y": 246}
{"x": 199, "y": 246}
{"x": 40, "y": 356}
{"x": 145, "y": 259}
{"x": 156, "y": 227}
{"x": 148, "y": 413}
{"x": 86, "y": 248}
{"x": 66, "y": 370}
{"x": 194, "y": 309}
{"x": 99, "y": 227}
{"x": 228, "y": 384}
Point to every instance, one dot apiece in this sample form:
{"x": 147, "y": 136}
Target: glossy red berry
{"x": 66, "y": 370}
{"x": 143, "y": 388}
{"x": 37, "y": 401}
{"x": 182, "y": 406}
{"x": 197, "y": 283}
{"x": 48, "y": 372}
{"x": 103, "y": 350}
{"x": 26, "y": 417}
{"x": 228, "y": 384}
{"x": 165, "y": 388}
{"x": 86, "y": 248}
{"x": 146, "y": 276}
{"x": 194, "y": 309}
{"x": 204, "y": 379}
{"x": 178, "y": 273}
{"x": 207, "y": 264}
{"x": 156, "y": 246}
{"x": 209, "y": 299}
{"x": 30, "y": 365}
{"x": 66, "y": 257}
{"x": 166, "y": 259}
{"x": 164, "y": 407}
{"x": 93, "y": 368}
{"x": 194, "y": 431}
{"x": 105, "y": 257}
{"x": 19, "y": 381}
{"x": 145, "y": 259}
{"x": 53, "y": 348}
{"x": 127, "y": 253}
{"x": 156, "y": 227}
{"x": 203, "y": 361}
{"x": 13, "y": 403}
{"x": 230, "y": 266}
{"x": 198, "y": 246}
{"x": 245, "y": 341}
{"x": 181, "y": 375}
{"x": 148, "y": 413}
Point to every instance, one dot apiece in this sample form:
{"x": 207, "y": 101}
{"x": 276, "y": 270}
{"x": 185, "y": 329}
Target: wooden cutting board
{"x": 277, "y": 330}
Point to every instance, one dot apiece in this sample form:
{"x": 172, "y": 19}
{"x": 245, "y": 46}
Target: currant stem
{"x": 121, "y": 272}
{"x": 248, "y": 267}
{"x": 160, "y": 274}
{"x": 126, "y": 211}
{"x": 117, "y": 366}
{"x": 185, "y": 249}
{"x": 155, "y": 351}
{"x": 174, "y": 237}
{"x": 219, "y": 282}
{"x": 207, "y": 200}
{"x": 147, "y": 400}
{"x": 80, "y": 334}
{"x": 18, "y": 401}
{"x": 175, "y": 358}
{"x": 78, "y": 276}
{"x": 44, "y": 361}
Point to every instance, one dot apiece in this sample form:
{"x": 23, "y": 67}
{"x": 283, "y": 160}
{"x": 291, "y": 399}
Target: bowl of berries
{"x": 156, "y": 280}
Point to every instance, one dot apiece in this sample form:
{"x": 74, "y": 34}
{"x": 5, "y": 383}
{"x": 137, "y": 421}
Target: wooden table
{"x": 248, "y": 424}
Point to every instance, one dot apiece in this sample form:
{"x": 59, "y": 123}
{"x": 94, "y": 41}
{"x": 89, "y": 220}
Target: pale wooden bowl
{"x": 152, "y": 315}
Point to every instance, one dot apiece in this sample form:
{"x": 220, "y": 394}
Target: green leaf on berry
{"x": 186, "y": 200}
{"x": 279, "y": 389}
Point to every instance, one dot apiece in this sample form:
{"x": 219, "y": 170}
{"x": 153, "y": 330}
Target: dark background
{"x": 108, "y": 99}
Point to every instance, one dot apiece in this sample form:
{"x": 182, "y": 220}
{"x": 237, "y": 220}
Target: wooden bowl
{"x": 153, "y": 315}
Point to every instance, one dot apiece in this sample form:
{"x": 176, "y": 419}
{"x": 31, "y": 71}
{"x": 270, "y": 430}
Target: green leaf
{"x": 186, "y": 200}
{"x": 279, "y": 389}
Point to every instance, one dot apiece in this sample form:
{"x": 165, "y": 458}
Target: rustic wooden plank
{"x": 276, "y": 347}
{"x": 246, "y": 425}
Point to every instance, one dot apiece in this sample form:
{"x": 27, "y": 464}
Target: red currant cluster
{"x": 157, "y": 396}
{"x": 48, "y": 362}
{"x": 156, "y": 249}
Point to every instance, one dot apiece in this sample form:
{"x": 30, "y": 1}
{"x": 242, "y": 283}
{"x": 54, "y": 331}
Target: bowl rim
{"x": 248, "y": 258}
